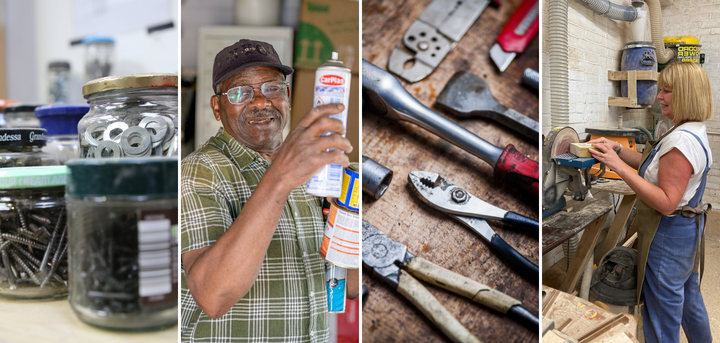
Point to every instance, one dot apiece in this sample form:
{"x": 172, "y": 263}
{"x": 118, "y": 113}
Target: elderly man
{"x": 250, "y": 233}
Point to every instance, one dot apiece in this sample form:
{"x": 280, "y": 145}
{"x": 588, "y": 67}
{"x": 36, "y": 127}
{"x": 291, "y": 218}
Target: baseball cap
{"x": 245, "y": 54}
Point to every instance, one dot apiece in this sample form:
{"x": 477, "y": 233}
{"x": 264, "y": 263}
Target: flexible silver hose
{"x": 558, "y": 66}
{"x": 611, "y": 10}
{"x": 656, "y": 23}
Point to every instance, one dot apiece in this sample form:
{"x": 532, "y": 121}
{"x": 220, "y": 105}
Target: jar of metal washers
{"x": 130, "y": 116}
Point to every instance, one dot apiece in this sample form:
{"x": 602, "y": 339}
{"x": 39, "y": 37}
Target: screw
{"x": 423, "y": 46}
{"x": 40, "y": 219}
{"x": 459, "y": 195}
{"x": 21, "y": 240}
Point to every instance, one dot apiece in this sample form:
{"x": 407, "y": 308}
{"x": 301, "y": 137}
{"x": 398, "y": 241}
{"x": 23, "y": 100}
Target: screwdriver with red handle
{"x": 516, "y": 35}
{"x": 385, "y": 96}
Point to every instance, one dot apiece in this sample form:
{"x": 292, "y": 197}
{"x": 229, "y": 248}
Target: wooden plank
{"x": 583, "y": 252}
{"x": 429, "y": 233}
{"x": 640, "y": 75}
{"x": 617, "y": 226}
{"x": 632, "y": 85}
{"x": 620, "y": 101}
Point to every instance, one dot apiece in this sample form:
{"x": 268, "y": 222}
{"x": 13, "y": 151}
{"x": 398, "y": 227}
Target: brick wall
{"x": 595, "y": 46}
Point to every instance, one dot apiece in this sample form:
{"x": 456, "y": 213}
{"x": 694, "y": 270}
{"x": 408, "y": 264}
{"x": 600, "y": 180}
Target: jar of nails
{"x": 122, "y": 223}
{"x": 33, "y": 232}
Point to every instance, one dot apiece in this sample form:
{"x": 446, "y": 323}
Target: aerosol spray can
{"x": 332, "y": 85}
{"x": 335, "y": 281}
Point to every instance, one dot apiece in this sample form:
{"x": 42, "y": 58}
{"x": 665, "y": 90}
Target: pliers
{"x": 443, "y": 195}
{"x": 393, "y": 263}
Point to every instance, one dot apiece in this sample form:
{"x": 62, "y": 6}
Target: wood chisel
{"x": 516, "y": 35}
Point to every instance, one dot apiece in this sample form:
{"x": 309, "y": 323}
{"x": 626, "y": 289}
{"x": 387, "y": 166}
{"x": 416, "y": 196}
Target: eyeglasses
{"x": 243, "y": 94}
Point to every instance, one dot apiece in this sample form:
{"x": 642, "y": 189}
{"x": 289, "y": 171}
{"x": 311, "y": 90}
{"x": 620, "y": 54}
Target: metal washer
{"x": 133, "y": 134}
{"x": 118, "y": 125}
{"x": 114, "y": 148}
{"x": 92, "y": 128}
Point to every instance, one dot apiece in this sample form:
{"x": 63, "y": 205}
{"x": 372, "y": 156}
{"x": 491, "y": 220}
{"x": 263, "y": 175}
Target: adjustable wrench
{"x": 386, "y": 97}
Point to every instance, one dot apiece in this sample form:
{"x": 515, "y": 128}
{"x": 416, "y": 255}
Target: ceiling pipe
{"x": 611, "y": 10}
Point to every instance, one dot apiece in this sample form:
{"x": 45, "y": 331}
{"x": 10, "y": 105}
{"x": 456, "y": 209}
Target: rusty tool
{"x": 384, "y": 95}
{"x": 467, "y": 95}
{"x": 395, "y": 265}
{"x": 459, "y": 204}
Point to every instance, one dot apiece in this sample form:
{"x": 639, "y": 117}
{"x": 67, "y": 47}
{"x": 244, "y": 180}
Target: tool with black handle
{"x": 443, "y": 195}
{"x": 384, "y": 95}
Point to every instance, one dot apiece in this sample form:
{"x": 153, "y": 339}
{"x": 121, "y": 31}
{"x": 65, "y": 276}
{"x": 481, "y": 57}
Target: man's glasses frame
{"x": 243, "y": 94}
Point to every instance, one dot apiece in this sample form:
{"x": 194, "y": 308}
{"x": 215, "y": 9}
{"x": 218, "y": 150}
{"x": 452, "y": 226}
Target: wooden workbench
{"x": 54, "y": 320}
{"x": 588, "y": 216}
{"x": 404, "y": 147}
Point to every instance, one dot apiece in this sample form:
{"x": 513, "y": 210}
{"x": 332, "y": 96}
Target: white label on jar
{"x": 155, "y": 260}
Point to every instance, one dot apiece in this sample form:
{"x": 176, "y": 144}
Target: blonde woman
{"x": 670, "y": 183}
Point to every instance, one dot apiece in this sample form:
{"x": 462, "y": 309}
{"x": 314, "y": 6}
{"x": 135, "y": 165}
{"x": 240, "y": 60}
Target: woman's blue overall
{"x": 671, "y": 288}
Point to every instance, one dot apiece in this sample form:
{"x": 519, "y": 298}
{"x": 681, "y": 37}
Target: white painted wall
{"x": 595, "y": 46}
{"x": 40, "y": 31}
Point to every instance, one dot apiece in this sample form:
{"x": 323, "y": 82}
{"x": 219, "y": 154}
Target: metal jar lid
{"x": 129, "y": 81}
{"x": 32, "y": 177}
{"x": 142, "y": 178}
{"x": 633, "y": 45}
{"x": 23, "y": 137}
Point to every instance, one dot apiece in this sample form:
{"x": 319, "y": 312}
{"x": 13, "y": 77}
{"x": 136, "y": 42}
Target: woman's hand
{"x": 602, "y": 140}
{"x": 606, "y": 154}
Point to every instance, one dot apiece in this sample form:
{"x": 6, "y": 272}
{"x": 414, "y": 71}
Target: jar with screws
{"x": 61, "y": 123}
{"x": 122, "y": 223}
{"x": 22, "y": 148}
{"x": 33, "y": 233}
{"x": 130, "y": 116}
{"x": 17, "y": 116}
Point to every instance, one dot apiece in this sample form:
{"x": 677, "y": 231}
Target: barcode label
{"x": 335, "y": 172}
{"x": 155, "y": 259}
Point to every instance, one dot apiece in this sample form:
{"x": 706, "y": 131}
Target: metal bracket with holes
{"x": 432, "y": 36}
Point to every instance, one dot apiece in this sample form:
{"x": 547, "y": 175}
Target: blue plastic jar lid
{"x": 98, "y": 39}
{"x": 61, "y": 119}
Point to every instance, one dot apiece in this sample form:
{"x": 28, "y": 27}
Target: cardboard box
{"x": 327, "y": 26}
{"x": 302, "y": 98}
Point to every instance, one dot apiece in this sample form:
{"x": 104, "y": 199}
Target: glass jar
{"x": 22, "y": 148}
{"x": 130, "y": 116}
{"x": 99, "y": 56}
{"x": 122, "y": 223}
{"x": 33, "y": 233}
{"x": 61, "y": 122}
{"x": 19, "y": 116}
{"x": 58, "y": 82}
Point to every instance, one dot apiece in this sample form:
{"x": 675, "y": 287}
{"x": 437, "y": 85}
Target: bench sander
{"x": 561, "y": 170}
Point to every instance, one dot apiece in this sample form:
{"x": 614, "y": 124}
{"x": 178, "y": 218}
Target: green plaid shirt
{"x": 287, "y": 302}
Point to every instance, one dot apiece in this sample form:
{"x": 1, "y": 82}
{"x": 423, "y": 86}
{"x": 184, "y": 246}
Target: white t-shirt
{"x": 689, "y": 146}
